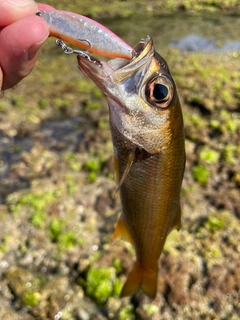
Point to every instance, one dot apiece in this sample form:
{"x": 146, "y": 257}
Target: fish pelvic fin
{"x": 141, "y": 278}
{"x": 121, "y": 231}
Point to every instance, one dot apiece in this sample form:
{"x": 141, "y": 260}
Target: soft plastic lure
{"x": 86, "y": 34}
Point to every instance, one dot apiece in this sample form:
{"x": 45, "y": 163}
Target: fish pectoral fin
{"x": 121, "y": 231}
{"x": 176, "y": 223}
{"x": 125, "y": 173}
{"x": 141, "y": 278}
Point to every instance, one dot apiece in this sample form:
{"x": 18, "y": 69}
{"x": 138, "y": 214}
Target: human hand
{"x": 21, "y": 35}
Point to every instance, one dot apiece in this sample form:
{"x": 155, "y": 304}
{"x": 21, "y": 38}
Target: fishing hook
{"x": 89, "y": 44}
{"x": 68, "y": 50}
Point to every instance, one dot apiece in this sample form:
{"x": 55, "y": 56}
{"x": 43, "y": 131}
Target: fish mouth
{"x": 107, "y": 74}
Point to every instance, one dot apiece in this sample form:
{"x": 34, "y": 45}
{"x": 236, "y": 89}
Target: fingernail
{"x": 20, "y": 3}
{"x": 33, "y": 50}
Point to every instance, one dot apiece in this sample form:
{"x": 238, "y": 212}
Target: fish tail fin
{"x": 141, "y": 278}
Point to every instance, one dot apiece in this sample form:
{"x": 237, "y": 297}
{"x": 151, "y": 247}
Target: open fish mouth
{"x": 94, "y": 68}
{"x": 119, "y": 72}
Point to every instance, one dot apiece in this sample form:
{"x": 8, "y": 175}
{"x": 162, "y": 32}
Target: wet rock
{"x": 194, "y": 43}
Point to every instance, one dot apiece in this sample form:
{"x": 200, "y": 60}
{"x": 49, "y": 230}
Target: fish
{"x": 148, "y": 140}
{"x": 86, "y": 33}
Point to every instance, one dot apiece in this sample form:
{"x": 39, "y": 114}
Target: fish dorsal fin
{"x": 126, "y": 171}
{"x": 121, "y": 231}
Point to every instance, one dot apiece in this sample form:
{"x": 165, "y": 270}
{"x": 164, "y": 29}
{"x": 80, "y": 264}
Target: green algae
{"x": 208, "y": 155}
{"x": 31, "y": 299}
{"x": 229, "y": 153}
{"x": 73, "y": 162}
{"x": 151, "y": 309}
{"x": 65, "y": 238}
{"x": 35, "y": 202}
{"x": 117, "y": 264}
{"x": 93, "y": 166}
{"x": 201, "y": 174}
{"x": 102, "y": 283}
{"x": 214, "y": 223}
{"x": 127, "y": 313}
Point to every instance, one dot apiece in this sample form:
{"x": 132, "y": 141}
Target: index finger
{"x": 13, "y": 10}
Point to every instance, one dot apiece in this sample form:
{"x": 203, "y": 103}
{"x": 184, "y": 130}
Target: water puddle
{"x": 167, "y": 29}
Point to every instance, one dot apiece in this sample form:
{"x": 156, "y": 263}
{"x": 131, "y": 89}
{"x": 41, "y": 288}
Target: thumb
{"x": 13, "y": 10}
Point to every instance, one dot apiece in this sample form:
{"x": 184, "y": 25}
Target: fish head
{"x": 141, "y": 93}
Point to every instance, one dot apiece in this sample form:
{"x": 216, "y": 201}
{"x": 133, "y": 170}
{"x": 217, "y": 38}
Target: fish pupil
{"x": 160, "y": 91}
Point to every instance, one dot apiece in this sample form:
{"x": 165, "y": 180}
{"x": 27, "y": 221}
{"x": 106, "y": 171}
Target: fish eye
{"x": 159, "y": 91}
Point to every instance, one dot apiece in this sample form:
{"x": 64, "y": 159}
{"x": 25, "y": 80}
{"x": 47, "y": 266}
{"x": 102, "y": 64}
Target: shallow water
{"x": 165, "y": 29}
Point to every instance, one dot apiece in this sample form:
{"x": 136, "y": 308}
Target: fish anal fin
{"x": 121, "y": 231}
{"x": 125, "y": 173}
{"x": 141, "y": 278}
{"x": 176, "y": 222}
